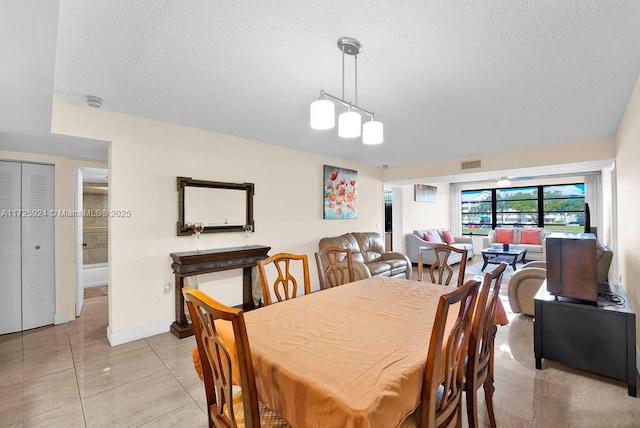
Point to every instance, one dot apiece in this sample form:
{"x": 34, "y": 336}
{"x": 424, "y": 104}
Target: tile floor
{"x": 69, "y": 376}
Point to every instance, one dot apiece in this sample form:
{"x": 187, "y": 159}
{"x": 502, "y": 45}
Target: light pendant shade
{"x": 322, "y": 114}
{"x": 372, "y": 132}
{"x": 349, "y": 124}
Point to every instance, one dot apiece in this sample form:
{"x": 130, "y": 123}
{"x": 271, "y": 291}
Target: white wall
{"x": 628, "y": 200}
{"x": 145, "y": 156}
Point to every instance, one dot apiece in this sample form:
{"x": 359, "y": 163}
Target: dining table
{"x": 348, "y": 356}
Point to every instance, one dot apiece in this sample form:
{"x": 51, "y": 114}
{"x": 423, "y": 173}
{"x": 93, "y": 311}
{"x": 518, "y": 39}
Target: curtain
{"x": 593, "y": 196}
{"x": 455, "y": 222}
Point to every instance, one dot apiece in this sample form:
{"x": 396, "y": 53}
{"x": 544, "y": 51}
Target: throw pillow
{"x": 530, "y": 237}
{"x": 448, "y": 237}
{"x": 504, "y": 236}
{"x": 432, "y": 236}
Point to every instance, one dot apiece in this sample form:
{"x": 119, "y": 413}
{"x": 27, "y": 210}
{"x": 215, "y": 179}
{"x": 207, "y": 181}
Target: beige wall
{"x": 145, "y": 156}
{"x": 64, "y": 226}
{"x": 541, "y": 156}
{"x": 424, "y": 215}
{"x": 628, "y": 199}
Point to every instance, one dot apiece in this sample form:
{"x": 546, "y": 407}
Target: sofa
{"x": 525, "y": 283}
{"x": 530, "y": 238}
{"x": 436, "y": 237}
{"x": 369, "y": 255}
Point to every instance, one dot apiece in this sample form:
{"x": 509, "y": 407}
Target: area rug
{"x": 98, "y": 291}
{"x": 475, "y": 269}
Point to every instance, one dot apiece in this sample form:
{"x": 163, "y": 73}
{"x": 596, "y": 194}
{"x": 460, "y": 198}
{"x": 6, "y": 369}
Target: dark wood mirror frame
{"x": 184, "y": 182}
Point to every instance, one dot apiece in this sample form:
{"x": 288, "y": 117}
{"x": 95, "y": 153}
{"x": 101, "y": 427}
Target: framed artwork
{"x": 424, "y": 193}
{"x": 339, "y": 193}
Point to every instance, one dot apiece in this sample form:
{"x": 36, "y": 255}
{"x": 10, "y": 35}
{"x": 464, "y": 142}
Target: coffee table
{"x": 496, "y": 255}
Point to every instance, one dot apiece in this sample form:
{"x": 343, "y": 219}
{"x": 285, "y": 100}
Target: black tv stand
{"x": 599, "y": 339}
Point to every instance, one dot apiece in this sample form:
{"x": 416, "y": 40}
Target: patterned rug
{"x": 98, "y": 291}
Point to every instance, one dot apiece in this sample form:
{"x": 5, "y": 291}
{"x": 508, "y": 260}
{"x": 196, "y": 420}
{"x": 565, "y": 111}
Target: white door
{"x": 10, "y": 248}
{"x": 38, "y": 284}
{"x": 79, "y": 238}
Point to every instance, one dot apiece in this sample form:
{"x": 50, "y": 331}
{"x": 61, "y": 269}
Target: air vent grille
{"x": 471, "y": 164}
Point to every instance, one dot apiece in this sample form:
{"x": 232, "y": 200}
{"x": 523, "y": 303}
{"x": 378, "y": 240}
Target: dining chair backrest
{"x": 481, "y": 345}
{"x": 444, "y": 372}
{"x": 284, "y": 284}
{"x": 441, "y": 265}
{"x": 335, "y": 267}
{"x": 216, "y": 361}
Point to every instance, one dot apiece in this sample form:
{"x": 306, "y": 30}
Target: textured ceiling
{"x": 447, "y": 78}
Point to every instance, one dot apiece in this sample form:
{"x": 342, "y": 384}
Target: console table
{"x": 600, "y": 339}
{"x": 190, "y": 263}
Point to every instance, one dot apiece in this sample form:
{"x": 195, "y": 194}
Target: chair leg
{"x": 472, "y": 407}
{"x": 489, "y": 388}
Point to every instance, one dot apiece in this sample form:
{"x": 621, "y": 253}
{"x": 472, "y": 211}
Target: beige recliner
{"x": 526, "y": 282}
{"x": 523, "y": 286}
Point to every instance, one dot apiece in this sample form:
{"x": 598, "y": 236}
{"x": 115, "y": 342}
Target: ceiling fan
{"x": 506, "y": 180}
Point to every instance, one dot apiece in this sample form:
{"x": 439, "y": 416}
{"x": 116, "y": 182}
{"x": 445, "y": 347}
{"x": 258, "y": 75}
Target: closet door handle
{"x": 37, "y": 247}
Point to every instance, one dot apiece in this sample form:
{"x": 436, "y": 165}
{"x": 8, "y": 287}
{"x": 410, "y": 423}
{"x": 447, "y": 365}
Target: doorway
{"x": 388, "y": 219}
{"x": 91, "y": 233}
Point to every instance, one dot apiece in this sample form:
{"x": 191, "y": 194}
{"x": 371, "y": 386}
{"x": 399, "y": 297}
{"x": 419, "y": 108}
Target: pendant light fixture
{"x": 322, "y": 111}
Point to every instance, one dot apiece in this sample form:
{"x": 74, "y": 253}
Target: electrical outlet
{"x": 167, "y": 288}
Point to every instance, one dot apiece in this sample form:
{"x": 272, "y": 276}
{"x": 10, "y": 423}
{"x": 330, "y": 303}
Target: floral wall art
{"x": 340, "y": 193}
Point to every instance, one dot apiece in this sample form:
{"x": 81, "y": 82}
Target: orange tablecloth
{"x": 349, "y": 356}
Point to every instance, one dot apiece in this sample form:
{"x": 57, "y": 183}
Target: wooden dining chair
{"x": 480, "y": 363}
{"x": 226, "y": 410}
{"x": 441, "y": 265}
{"x": 285, "y": 285}
{"x": 335, "y": 267}
{"x": 443, "y": 382}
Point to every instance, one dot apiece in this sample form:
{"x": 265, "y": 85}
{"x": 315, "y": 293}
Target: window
{"x": 477, "y": 209}
{"x": 517, "y": 207}
{"x": 564, "y": 208}
{"x": 554, "y": 207}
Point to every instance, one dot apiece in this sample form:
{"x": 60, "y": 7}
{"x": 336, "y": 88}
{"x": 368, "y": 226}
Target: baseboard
{"x": 61, "y": 317}
{"x": 137, "y": 333}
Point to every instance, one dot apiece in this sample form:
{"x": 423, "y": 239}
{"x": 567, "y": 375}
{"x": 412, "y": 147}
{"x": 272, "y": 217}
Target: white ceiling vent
{"x": 471, "y": 164}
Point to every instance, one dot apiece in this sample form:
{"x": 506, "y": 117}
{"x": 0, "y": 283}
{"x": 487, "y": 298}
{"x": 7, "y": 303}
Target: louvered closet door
{"x": 38, "y": 285}
{"x": 10, "y": 248}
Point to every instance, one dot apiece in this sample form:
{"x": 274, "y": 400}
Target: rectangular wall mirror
{"x": 219, "y": 206}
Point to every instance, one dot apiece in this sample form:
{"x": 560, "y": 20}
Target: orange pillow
{"x": 530, "y": 237}
{"x": 504, "y": 236}
{"x": 448, "y": 237}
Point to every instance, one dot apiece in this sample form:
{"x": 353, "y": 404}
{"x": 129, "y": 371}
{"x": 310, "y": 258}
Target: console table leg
{"x": 538, "y": 363}
{"x": 180, "y": 327}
